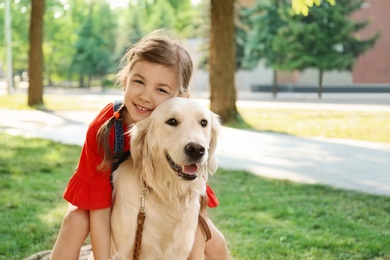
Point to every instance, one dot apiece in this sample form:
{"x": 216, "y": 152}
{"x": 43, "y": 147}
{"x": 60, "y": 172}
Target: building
{"x": 373, "y": 67}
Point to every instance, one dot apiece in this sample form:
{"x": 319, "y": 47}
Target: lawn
{"x": 359, "y": 125}
{"x": 261, "y": 219}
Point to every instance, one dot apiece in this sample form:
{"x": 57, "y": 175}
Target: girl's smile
{"x": 148, "y": 85}
{"x": 142, "y": 109}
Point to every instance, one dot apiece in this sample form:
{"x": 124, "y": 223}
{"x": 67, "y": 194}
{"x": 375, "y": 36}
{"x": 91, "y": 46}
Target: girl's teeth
{"x": 142, "y": 108}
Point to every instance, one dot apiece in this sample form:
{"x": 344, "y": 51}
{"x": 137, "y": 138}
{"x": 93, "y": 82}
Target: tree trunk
{"x": 49, "y": 79}
{"x": 81, "y": 81}
{"x": 35, "y": 89}
{"x": 321, "y": 74}
{"x": 89, "y": 81}
{"x": 222, "y": 60}
{"x": 275, "y": 84}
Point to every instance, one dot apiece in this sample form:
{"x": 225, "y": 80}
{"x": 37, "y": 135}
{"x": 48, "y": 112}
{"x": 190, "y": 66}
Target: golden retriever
{"x": 172, "y": 153}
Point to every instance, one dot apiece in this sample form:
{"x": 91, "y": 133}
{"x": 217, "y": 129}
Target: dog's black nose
{"x": 194, "y": 150}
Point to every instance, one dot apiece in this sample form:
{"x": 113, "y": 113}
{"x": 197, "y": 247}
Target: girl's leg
{"x": 199, "y": 244}
{"x": 73, "y": 232}
{"x": 215, "y": 248}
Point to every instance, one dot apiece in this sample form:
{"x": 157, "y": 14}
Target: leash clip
{"x": 144, "y": 192}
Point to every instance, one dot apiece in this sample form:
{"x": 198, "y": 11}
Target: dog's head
{"x": 179, "y": 138}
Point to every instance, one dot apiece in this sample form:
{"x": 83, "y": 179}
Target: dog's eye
{"x": 203, "y": 123}
{"x": 172, "y": 122}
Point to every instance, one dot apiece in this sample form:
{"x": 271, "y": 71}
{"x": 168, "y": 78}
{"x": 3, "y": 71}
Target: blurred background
{"x": 344, "y": 46}
{"x": 302, "y": 88}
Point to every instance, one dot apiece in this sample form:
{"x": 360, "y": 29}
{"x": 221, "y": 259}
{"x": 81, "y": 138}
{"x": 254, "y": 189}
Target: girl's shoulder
{"x": 106, "y": 113}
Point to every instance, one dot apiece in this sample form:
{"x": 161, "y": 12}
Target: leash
{"x": 140, "y": 222}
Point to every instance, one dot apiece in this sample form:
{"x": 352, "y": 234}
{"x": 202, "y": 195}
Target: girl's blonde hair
{"x": 158, "y": 47}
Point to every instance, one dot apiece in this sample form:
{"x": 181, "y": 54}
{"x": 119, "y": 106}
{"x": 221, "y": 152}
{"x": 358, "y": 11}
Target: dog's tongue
{"x": 192, "y": 168}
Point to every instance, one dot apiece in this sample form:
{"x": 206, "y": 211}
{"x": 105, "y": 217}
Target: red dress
{"x": 90, "y": 188}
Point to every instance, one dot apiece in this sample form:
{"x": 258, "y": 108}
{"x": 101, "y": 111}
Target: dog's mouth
{"x": 186, "y": 172}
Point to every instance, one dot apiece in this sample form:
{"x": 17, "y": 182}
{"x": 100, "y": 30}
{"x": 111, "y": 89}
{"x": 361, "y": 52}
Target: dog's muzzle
{"x": 187, "y": 172}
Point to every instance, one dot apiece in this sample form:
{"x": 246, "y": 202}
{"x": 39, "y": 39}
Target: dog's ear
{"x": 215, "y": 130}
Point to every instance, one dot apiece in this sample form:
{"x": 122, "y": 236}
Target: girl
{"x": 155, "y": 69}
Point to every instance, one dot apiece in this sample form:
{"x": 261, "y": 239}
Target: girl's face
{"x": 148, "y": 85}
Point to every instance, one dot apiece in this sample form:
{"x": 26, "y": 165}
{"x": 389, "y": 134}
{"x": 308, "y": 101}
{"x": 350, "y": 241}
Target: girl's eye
{"x": 172, "y": 122}
{"x": 203, "y": 123}
{"x": 139, "y": 81}
{"x": 162, "y": 90}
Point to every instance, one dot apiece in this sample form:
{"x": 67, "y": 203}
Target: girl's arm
{"x": 100, "y": 230}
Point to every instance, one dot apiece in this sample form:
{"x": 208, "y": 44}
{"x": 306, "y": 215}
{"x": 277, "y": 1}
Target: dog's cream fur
{"x": 173, "y": 204}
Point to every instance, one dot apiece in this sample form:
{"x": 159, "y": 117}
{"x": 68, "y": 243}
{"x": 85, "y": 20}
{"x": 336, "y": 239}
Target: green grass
{"x": 55, "y": 102}
{"x": 33, "y": 175}
{"x": 266, "y": 219}
{"x": 260, "y": 218}
{"x": 358, "y": 125}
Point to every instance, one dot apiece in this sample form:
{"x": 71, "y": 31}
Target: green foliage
{"x": 184, "y": 17}
{"x": 264, "y": 21}
{"x": 58, "y": 56}
{"x": 324, "y": 39}
{"x": 162, "y": 16}
{"x": 88, "y": 37}
{"x": 93, "y": 47}
{"x": 131, "y": 28}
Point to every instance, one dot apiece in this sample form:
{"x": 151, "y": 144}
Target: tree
{"x": 35, "y": 90}
{"x": 184, "y": 13}
{"x": 59, "y": 29}
{"x": 64, "y": 19}
{"x": 162, "y": 16}
{"x": 130, "y": 21}
{"x": 222, "y": 60}
{"x": 326, "y": 36}
{"x": 264, "y": 21}
{"x": 324, "y": 39}
{"x": 92, "y": 57}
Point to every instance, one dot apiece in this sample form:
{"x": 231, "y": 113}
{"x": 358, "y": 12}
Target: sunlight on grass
{"x": 51, "y": 215}
{"x": 55, "y": 102}
{"x": 367, "y": 125}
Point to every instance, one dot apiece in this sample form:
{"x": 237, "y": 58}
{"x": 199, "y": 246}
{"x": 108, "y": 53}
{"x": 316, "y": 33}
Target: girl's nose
{"x": 145, "y": 95}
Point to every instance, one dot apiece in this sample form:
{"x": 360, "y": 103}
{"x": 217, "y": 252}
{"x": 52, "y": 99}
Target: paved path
{"x": 362, "y": 166}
